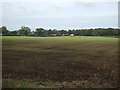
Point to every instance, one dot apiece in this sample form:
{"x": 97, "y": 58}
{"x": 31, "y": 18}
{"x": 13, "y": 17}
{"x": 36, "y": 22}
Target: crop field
{"x": 59, "y": 62}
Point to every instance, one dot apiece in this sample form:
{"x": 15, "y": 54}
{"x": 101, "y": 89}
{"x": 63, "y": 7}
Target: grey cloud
{"x": 85, "y": 4}
{"x": 60, "y": 15}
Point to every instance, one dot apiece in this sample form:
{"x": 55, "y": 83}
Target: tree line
{"x": 26, "y": 31}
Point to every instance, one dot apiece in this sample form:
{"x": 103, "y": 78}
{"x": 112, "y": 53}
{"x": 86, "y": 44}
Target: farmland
{"x": 59, "y": 62}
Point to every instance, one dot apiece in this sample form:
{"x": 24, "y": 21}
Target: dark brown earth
{"x": 38, "y": 63}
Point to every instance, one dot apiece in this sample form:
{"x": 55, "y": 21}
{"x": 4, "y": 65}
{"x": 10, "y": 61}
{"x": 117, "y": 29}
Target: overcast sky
{"x": 60, "y": 15}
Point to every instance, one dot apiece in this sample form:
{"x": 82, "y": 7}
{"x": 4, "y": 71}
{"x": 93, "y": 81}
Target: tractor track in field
{"x": 65, "y": 45}
{"x": 73, "y": 44}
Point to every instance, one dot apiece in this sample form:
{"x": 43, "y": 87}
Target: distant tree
{"x": 24, "y": 31}
{"x": 39, "y": 32}
{"x": 116, "y": 32}
{"x": 94, "y": 33}
{"x": 55, "y": 32}
{"x": 32, "y": 33}
{"x": 63, "y": 32}
{"x": 4, "y": 30}
{"x": 13, "y": 33}
{"x": 70, "y": 32}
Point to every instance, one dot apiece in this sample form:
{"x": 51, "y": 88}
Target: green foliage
{"x": 39, "y": 32}
{"x": 4, "y": 30}
{"x": 26, "y": 31}
{"x": 10, "y": 83}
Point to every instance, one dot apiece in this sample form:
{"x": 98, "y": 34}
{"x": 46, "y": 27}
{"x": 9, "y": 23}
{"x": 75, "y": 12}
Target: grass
{"x": 46, "y": 62}
{"x": 11, "y": 83}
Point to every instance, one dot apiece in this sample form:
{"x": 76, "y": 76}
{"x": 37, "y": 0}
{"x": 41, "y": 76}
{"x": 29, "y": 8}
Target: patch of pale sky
{"x": 62, "y": 15}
